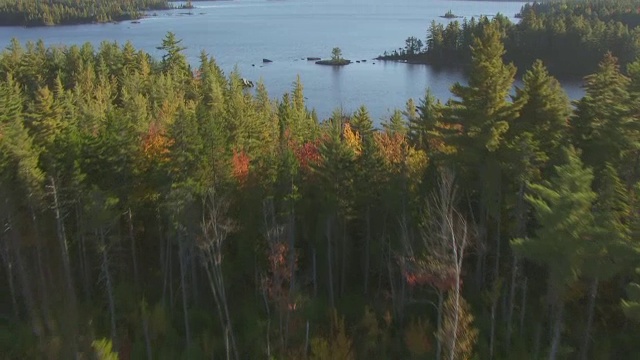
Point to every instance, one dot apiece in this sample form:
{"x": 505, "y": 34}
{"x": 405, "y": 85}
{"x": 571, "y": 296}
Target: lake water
{"x": 241, "y": 33}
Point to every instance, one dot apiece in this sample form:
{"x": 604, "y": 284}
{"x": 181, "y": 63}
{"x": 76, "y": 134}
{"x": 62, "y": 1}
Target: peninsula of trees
{"x": 67, "y": 12}
{"x": 159, "y": 211}
{"x": 557, "y": 32}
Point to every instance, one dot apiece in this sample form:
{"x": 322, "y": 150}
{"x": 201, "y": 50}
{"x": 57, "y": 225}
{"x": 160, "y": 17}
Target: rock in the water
{"x": 247, "y": 83}
{"x": 363, "y": 60}
{"x": 313, "y": 58}
{"x": 266, "y": 60}
{"x": 358, "y": 61}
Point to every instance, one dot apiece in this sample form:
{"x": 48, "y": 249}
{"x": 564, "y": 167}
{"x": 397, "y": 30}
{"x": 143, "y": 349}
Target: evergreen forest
{"x": 556, "y": 32}
{"x": 68, "y": 12}
{"x": 155, "y": 210}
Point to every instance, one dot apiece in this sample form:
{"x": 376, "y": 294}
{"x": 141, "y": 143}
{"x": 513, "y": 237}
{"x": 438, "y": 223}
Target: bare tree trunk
{"x": 183, "y": 286}
{"x": 343, "y": 256}
{"x": 537, "y": 341}
{"x": 291, "y": 234}
{"x": 134, "y": 256}
{"x": 367, "y": 252}
{"x": 557, "y": 329}
{"x": 438, "y": 338}
{"x": 512, "y": 299}
{"x": 6, "y": 257}
{"x": 82, "y": 254}
{"x": 521, "y": 232}
{"x": 523, "y": 306}
{"x": 108, "y": 283}
{"x": 42, "y": 284}
{"x": 71, "y": 300}
{"x": 496, "y": 275}
{"x": 315, "y": 273}
{"x": 216, "y": 228}
{"x": 593, "y": 293}
{"x": 268, "y": 308}
{"x": 329, "y": 262}
{"x": 147, "y": 337}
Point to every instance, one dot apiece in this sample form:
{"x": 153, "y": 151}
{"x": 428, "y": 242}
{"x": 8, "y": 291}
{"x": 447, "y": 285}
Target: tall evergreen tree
{"x": 563, "y": 211}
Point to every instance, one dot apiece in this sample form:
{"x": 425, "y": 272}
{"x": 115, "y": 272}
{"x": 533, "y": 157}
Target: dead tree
{"x": 216, "y": 227}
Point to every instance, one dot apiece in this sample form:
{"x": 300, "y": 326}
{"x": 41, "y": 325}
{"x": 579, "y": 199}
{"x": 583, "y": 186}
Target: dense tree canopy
{"x": 158, "y": 210}
{"x": 56, "y": 12}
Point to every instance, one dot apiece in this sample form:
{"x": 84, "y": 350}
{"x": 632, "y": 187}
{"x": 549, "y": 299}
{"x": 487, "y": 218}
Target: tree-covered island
{"x": 569, "y": 36}
{"x": 336, "y": 59}
{"x": 69, "y": 12}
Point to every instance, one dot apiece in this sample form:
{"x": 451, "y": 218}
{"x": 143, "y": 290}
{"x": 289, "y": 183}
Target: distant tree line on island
{"x": 160, "y": 211}
{"x": 556, "y": 32}
{"x": 67, "y": 12}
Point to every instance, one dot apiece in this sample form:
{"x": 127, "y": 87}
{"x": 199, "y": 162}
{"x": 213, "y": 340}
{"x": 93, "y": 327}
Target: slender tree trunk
{"x": 183, "y": 286}
{"x": 268, "y": 308}
{"x": 367, "y": 252}
{"x": 496, "y": 274}
{"x": 523, "y": 306}
{"x": 42, "y": 284}
{"x": 557, "y": 329}
{"x": 82, "y": 255}
{"x": 108, "y": 283}
{"x": 343, "y": 256}
{"x": 147, "y": 337}
{"x": 537, "y": 341}
{"x": 315, "y": 273}
{"x": 6, "y": 257}
{"x": 291, "y": 234}
{"x": 134, "y": 256}
{"x": 512, "y": 299}
{"x": 521, "y": 232}
{"x": 593, "y": 293}
{"x": 329, "y": 262}
{"x": 438, "y": 338}
{"x": 71, "y": 300}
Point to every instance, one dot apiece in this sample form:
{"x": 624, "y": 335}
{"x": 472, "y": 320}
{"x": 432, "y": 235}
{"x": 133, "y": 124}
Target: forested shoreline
{"x": 556, "y": 32}
{"x": 71, "y": 12}
{"x": 160, "y": 211}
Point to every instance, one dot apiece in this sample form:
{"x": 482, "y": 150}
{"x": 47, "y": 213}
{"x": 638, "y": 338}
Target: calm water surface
{"x": 241, "y": 33}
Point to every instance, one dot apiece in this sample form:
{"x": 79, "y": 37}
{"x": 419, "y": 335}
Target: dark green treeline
{"x": 162, "y": 212}
{"x": 569, "y": 36}
{"x": 66, "y": 12}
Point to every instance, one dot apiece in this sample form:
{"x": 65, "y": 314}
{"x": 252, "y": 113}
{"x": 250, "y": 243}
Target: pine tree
{"x": 482, "y": 113}
{"x": 610, "y": 250}
{"x": 603, "y": 128}
{"x": 563, "y": 212}
{"x": 544, "y": 115}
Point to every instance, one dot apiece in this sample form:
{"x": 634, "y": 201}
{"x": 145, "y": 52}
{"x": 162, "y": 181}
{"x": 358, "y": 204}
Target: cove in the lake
{"x": 241, "y": 33}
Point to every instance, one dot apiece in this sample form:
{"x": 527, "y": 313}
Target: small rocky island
{"x": 336, "y": 59}
{"x": 450, "y": 15}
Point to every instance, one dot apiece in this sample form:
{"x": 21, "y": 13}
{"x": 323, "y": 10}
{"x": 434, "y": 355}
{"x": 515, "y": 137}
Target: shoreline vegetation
{"x": 557, "y": 33}
{"x": 36, "y": 13}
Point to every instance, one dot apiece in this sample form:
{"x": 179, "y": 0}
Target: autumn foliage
{"x": 240, "y": 166}
{"x": 156, "y": 144}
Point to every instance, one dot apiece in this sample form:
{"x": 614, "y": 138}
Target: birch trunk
{"x": 108, "y": 283}
{"x": 183, "y": 286}
{"x": 593, "y": 293}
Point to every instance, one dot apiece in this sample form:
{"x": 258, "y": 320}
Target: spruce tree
{"x": 603, "y": 128}
{"x": 562, "y": 207}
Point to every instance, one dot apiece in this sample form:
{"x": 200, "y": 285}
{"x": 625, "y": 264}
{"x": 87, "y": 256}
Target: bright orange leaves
{"x": 156, "y": 144}
{"x": 240, "y": 166}
{"x": 391, "y": 147}
{"x": 352, "y": 139}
